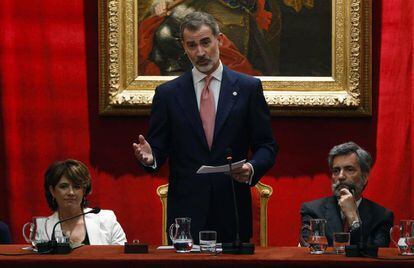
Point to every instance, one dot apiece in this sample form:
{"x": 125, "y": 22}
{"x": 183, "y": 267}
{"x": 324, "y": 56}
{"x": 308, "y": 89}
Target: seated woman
{"x": 66, "y": 185}
{"x": 5, "y": 237}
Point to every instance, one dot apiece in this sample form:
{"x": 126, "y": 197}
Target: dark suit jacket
{"x": 5, "y": 237}
{"x": 376, "y": 220}
{"x": 176, "y": 132}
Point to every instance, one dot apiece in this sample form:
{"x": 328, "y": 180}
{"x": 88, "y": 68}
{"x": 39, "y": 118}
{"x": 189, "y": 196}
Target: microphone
{"x": 229, "y": 158}
{"x": 52, "y": 246}
{"x": 236, "y": 247}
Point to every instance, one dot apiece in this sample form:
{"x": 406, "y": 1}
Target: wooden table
{"x": 114, "y": 256}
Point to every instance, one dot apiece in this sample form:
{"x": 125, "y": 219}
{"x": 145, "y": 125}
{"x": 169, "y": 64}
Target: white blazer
{"x": 102, "y": 228}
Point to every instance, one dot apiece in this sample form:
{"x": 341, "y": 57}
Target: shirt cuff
{"x": 251, "y": 175}
{"x": 153, "y": 166}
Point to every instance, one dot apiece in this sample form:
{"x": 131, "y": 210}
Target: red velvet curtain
{"x": 392, "y": 177}
{"x": 44, "y": 104}
{"x": 49, "y": 104}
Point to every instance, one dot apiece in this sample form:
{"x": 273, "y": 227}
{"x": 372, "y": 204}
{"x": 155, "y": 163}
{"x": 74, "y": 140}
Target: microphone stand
{"x": 55, "y": 247}
{"x": 236, "y": 247}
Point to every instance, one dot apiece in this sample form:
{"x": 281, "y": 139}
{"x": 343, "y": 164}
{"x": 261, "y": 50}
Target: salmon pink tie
{"x": 208, "y": 111}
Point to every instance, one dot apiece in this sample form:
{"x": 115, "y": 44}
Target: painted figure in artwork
{"x": 252, "y": 34}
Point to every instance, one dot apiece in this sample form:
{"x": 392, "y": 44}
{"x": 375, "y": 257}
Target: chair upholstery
{"x": 263, "y": 191}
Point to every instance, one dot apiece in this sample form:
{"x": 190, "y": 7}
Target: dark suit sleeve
{"x": 159, "y": 130}
{"x": 355, "y": 236}
{"x": 376, "y": 232}
{"x": 380, "y": 236}
{"x": 5, "y": 237}
{"x": 262, "y": 142}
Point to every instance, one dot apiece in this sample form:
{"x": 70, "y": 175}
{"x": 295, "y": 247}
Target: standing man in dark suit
{"x": 347, "y": 210}
{"x": 195, "y": 120}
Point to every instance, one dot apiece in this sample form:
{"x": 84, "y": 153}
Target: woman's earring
{"x": 84, "y": 202}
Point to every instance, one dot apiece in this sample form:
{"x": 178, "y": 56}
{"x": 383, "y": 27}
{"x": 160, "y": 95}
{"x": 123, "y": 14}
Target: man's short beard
{"x": 206, "y": 68}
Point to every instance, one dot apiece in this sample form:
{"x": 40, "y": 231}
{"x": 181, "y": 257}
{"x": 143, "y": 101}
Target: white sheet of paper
{"x": 220, "y": 169}
{"x": 196, "y": 248}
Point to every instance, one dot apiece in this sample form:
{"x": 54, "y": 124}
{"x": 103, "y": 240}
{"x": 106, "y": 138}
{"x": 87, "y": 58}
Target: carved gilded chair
{"x": 260, "y": 200}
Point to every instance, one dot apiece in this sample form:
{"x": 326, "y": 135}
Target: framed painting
{"x": 312, "y": 56}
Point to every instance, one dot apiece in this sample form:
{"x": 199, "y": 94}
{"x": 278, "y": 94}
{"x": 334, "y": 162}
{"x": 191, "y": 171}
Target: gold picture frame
{"x": 347, "y": 92}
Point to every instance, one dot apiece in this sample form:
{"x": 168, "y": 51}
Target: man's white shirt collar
{"x": 215, "y": 84}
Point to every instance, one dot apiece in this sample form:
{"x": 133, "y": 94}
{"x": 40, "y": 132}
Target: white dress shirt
{"x": 215, "y": 83}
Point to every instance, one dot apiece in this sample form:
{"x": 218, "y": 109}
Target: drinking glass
{"x": 208, "y": 240}
{"x": 340, "y": 240}
{"x": 62, "y": 237}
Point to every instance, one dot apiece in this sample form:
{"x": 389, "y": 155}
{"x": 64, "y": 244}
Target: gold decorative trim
{"x": 346, "y": 93}
{"x": 265, "y": 191}
{"x": 113, "y": 50}
{"x": 162, "y": 192}
{"x": 354, "y": 50}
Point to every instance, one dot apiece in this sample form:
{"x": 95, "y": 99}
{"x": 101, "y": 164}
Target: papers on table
{"x": 196, "y": 248}
{"x": 220, "y": 169}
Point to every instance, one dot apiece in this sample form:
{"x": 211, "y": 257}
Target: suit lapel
{"x": 51, "y": 221}
{"x": 365, "y": 215}
{"x": 228, "y": 96}
{"x": 188, "y": 101}
{"x": 92, "y": 227}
